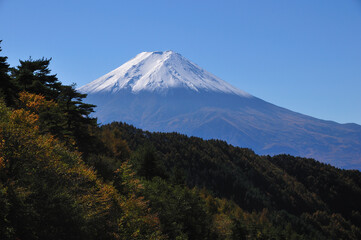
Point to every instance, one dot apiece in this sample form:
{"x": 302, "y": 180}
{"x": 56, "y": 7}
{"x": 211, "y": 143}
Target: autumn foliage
{"x": 62, "y": 176}
{"x": 42, "y": 183}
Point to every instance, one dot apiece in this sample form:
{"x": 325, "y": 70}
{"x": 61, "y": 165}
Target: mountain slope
{"x": 163, "y": 91}
{"x": 299, "y": 192}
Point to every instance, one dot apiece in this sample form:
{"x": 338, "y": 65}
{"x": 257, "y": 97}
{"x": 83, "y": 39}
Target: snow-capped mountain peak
{"x": 159, "y": 72}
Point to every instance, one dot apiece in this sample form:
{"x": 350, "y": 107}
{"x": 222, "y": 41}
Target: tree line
{"x": 64, "y": 177}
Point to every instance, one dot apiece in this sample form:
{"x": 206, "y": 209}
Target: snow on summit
{"x": 159, "y": 72}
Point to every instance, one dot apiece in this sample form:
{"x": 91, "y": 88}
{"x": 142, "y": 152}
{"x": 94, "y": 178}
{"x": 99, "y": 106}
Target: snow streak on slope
{"x": 159, "y": 72}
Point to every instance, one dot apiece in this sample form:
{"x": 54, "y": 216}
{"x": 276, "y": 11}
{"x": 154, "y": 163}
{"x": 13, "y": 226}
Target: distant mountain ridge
{"x": 163, "y": 91}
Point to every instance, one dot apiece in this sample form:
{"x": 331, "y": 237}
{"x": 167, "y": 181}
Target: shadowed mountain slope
{"x": 163, "y": 91}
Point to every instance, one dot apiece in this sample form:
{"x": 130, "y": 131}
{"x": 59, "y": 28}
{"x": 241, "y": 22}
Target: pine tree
{"x": 77, "y": 116}
{"x": 147, "y": 165}
{"x": 7, "y": 87}
{"x": 34, "y": 76}
{"x": 70, "y": 119}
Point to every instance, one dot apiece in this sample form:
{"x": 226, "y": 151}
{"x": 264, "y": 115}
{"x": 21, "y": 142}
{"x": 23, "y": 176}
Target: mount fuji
{"x": 165, "y": 92}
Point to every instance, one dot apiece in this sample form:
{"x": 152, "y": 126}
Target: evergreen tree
{"x": 77, "y": 117}
{"x": 69, "y": 120}
{"x": 34, "y": 76}
{"x": 7, "y": 88}
{"x": 147, "y": 165}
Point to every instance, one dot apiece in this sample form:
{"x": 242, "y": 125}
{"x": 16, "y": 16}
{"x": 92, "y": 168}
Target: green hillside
{"x": 307, "y": 196}
{"x": 62, "y": 176}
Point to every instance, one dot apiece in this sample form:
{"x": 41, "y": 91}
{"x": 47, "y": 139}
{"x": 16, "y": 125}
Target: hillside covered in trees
{"x": 64, "y": 177}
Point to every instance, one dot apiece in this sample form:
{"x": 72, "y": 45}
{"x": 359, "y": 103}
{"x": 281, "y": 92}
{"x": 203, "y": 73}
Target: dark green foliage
{"x": 7, "y": 87}
{"x": 235, "y": 173}
{"x": 77, "y": 120}
{"x": 339, "y": 189}
{"x": 6, "y": 228}
{"x": 181, "y": 211}
{"x": 34, "y": 76}
{"x": 146, "y": 163}
{"x": 108, "y": 154}
{"x": 70, "y": 119}
{"x": 48, "y": 191}
{"x": 295, "y": 192}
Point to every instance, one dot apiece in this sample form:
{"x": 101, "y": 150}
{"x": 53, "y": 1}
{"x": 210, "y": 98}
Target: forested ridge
{"x": 62, "y": 176}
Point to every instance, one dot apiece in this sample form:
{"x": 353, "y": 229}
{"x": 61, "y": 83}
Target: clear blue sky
{"x": 303, "y": 55}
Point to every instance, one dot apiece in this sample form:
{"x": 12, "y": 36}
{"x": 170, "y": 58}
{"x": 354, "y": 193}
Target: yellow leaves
{"x": 47, "y": 142}
{"x": 126, "y": 181}
{"x": 136, "y": 220}
{"x": 117, "y": 146}
{"x": 45, "y": 163}
{"x": 98, "y": 200}
{"x": 223, "y": 225}
{"x": 24, "y": 119}
{"x": 35, "y": 102}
